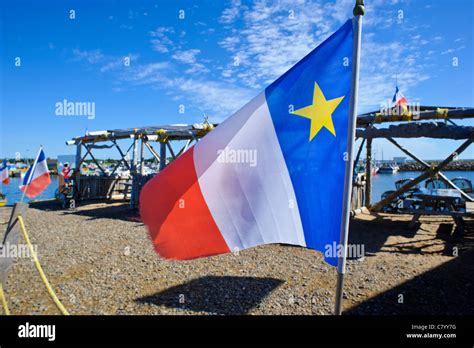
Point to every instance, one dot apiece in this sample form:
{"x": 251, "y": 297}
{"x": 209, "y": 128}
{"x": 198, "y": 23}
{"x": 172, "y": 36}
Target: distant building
{"x": 52, "y": 163}
{"x": 399, "y": 160}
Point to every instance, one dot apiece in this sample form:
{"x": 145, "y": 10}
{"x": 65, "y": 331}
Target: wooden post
{"x": 142, "y": 157}
{"x": 368, "y": 172}
{"x": 134, "y": 193}
{"x": 77, "y": 172}
{"x": 162, "y": 156}
{"x": 135, "y": 155}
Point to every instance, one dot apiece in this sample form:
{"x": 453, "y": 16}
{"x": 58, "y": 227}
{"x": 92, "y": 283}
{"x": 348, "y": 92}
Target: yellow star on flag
{"x": 320, "y": 112}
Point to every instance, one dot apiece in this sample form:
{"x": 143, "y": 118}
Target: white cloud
{"x": 188, "y": 56}
{"x": 106, "y": 63}
{"x": 160, "y": 39}
{"x": 117, "y": 63}
{"x": 276, "y": 35}
{"x": 272, "y": 37}
{"x": 196, "y": 68}
{"x": 452, "y": 50}
{"x": 92, "y": 57}
{"x": 384, "y": 63}
{"x": 231, "y": 13}
{"x": 217, "y": 99}
{"x": 146, "y": 73}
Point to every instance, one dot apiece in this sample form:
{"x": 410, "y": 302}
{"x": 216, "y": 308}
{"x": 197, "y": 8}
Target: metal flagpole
{"x": 341, "y": 263}
{"x": 31, "y": 174}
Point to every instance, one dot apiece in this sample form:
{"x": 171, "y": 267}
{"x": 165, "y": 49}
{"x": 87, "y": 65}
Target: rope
{"x": 4, "y": 301}
{"x": 162, "y": 137}
{"x": 442, "y": 113}
{"x": 40, "y": 269}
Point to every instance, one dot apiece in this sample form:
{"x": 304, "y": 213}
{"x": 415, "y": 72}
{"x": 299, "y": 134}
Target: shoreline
{"x": 461, "y": 166}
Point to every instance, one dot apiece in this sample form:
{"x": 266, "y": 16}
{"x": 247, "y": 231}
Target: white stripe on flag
{"x": 251, "y": 205}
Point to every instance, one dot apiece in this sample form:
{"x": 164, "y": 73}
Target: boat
{"x": 388, "y": 168}
{"x": 3, "y": 200}
{"x": 375, "y": 169}
{"x": 360, "y": 168}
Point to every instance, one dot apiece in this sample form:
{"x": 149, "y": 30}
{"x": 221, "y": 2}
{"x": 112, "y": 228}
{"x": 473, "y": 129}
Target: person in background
{"x": 66, "y": 173}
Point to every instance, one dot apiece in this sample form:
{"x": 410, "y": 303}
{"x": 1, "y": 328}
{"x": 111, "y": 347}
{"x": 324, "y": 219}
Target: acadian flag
{"x": 37, "y": 177}
{"x": 4, "y": 177}
{"x": 282, "y": 177}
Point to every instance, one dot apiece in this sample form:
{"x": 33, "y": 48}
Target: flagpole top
{"x": 359, "y": 9}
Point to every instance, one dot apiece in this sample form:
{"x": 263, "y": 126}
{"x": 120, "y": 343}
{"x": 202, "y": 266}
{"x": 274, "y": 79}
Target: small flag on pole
{"x": 399, "y": 100}
{"x": 274, "y": 172}
{"x": 37, "y": 178}
{"x": 4, "y": 176}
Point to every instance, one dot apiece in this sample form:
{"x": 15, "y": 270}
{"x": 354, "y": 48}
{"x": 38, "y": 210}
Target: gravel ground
{"x": 99, "y": 260}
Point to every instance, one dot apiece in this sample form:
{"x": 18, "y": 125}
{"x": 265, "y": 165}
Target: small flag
{"x": 4, "y": 176}
{"x": 273, "y": 172}
{"x": 37, "y": 178}
{"x": 399, "y": 100}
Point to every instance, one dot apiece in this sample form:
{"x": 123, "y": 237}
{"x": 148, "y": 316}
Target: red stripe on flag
{"x": 401, "y": 102}
{"x": 178, "y": 218}
{"x": 37, "y": 186}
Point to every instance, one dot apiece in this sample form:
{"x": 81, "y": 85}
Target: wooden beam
{"x": 122, "y": 155}
{"x": 184, "y": 148}
{"x": 438, "y": 130}
{"x": 368, "y": 172}
{"x": 94, "y": 159}
{"x": 153, "y": 152}
{"x": 428, "y": 173}
{"x": 426, "y": 165}
{"x": 436, "y": 113}
{"x": 359, "y": 152}
{"x": 122, "y": 159}
{"x": 84, "y": 157}
{"x": 171, "y": 149}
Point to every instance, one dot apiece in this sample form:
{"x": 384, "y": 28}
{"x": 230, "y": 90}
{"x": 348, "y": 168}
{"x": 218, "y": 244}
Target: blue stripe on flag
{"x": 316, "y": 167}
{"x": 29, "y": 174}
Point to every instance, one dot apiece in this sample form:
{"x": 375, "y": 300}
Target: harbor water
{"x": 386, "y": 182}
{"x": 13, "y": 193}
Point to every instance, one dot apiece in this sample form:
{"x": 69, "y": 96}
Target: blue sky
{"x": 212, "y": 61}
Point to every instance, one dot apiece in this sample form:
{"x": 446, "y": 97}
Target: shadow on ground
{"x": 373, "y": 234}
{"x": 216, "y": 295}
{"x": 94, "y": 209}
{"x": 446, "y": 289}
